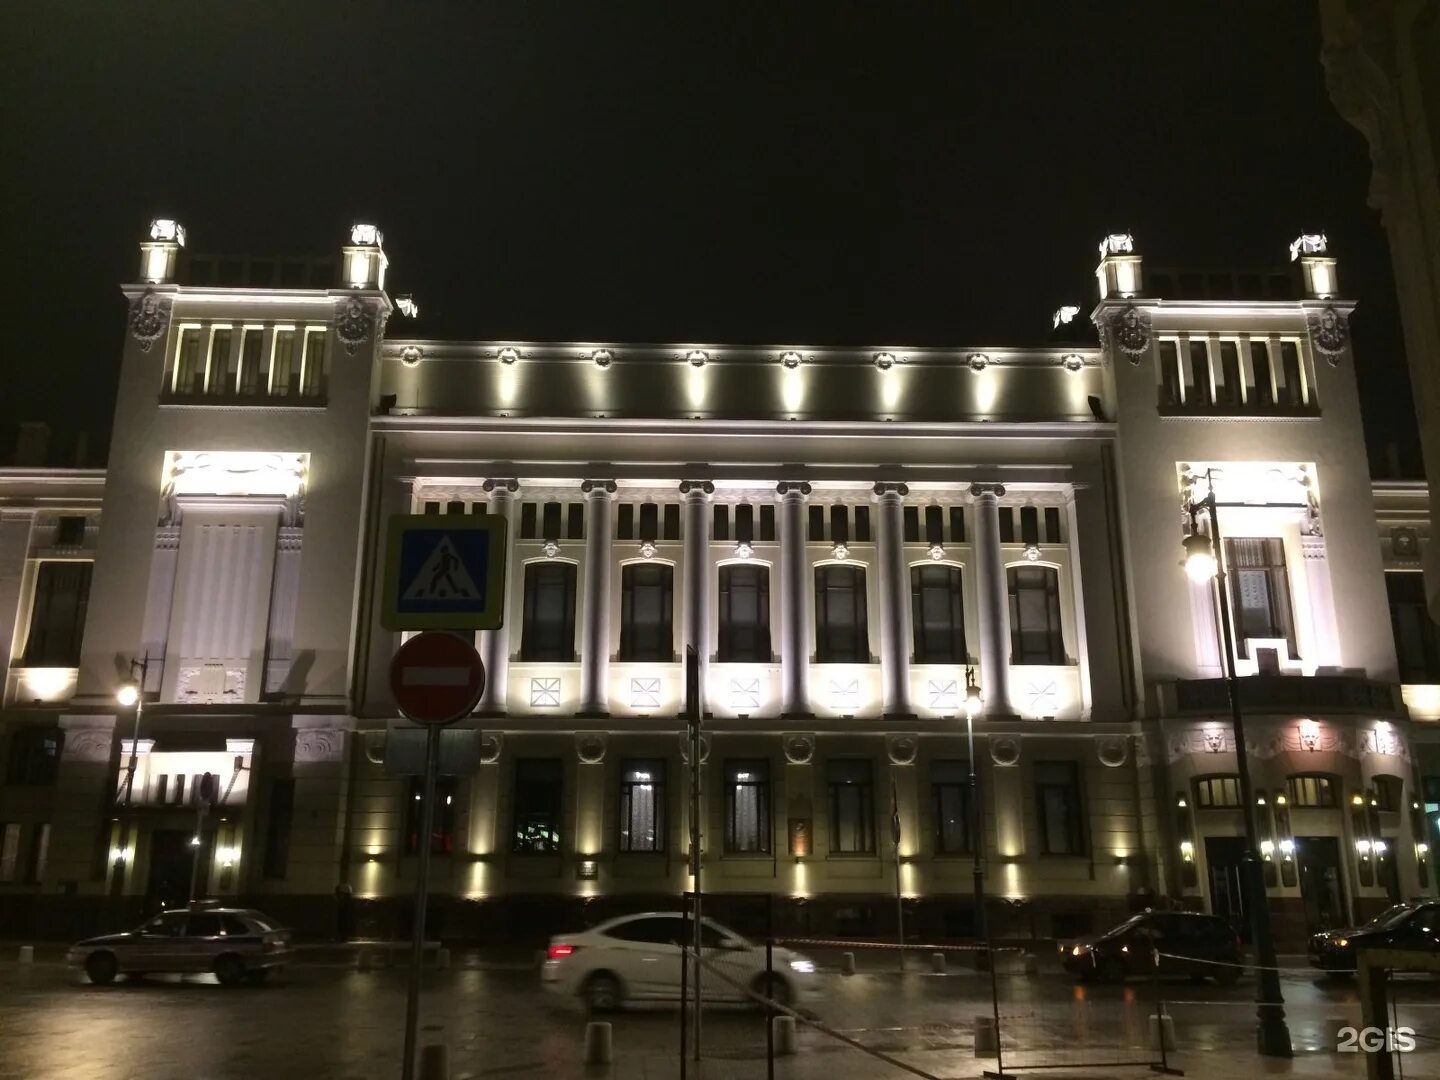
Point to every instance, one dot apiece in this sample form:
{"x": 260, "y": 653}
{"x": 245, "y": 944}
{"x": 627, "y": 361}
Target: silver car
{"x": 236, "y": 945}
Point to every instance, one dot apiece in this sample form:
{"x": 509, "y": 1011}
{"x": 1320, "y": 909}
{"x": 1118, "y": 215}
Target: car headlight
{"x": 1079, "y": 950}
{"x": 804, "y": 967}
{"x": 1340, "y": 942}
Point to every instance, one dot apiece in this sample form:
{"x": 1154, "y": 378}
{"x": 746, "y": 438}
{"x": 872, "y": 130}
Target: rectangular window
{"x": 852, "y": 807}
{"x": 937, "y": 615}
{"x": 277, "y": 827}
{"x": 1029, "y": 525}
{"x": 1417, "y": 639}
{"x": 934, "y": 525}
{"x": 70, "y": 531}
{"x": 1169, "y": 373}
{"x": 539, "y": 783}
{"x": 957, "y": 524}
{"x": 1262, "y": 392}
{"x": 862, "y": 524}
{"x": 1199, "y": 392}
{"x": 839, "y": 524}
{"x": 315, "y": 364}
{"x": 284, "y": 373}
{"x": 189, "y": 363}
{"x": 646, "y": 597}
{"x": 9, "y": 852}
{"x": 671, "y": 529}
{"x": 952, "y": 800}
{"x": 1306, "y": 792}
{"x": 442, "y": 825}
{"x": 745, "y": 523}
{"x": 1035, "y": 633}
{"x": 1229, "y": 391}
{"x": 39, "y": 853}
{"x": 1388, "y": 792}
{"x": 649, "y": 522}
{"x": 547, "y": 632}
{"x": 747, "y": 807}
{"x": 57, "y": 617}
{"x": 841, "y": 633}
{"x": 1007, "y": 524}
{"x": 1059, "y": 808}
{"x": 1052, "y": 525}
{"x": 642, "y": 805}
{"x": 767, "y": 524}
{"x": 625, "y": 522}
{"x": 720, "y": 521}
{"x": 220, "y": 371}
{"x": 910, "y": 516}
{"x": 1293, "y": 392}
{"x": 575, "y": 521}
{"x": 1217, "y": 793}
{"x": 550, "y": 522}
{"x": 529, "y": 529}
{"x": 817, "y": 523}
{"x": 744, "y": 602}
{"x": 1260, "y": 589}
{"x": 456, "y": 506}
{"x": 34, "y": 756}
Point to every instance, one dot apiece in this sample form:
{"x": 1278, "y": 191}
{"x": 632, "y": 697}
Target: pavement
{"x": 323, "y": 1019}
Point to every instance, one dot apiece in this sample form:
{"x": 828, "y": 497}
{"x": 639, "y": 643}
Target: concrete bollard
{"x": 986, "y": 1042}
{"x": 442, "y": 959}
{"x": 847, "y": 963}
{"x": 599, "y": 1043}
{"x": 784, "y": 1035}
{"x": 27, "y": 954}
{"x": 1331, "y": 1029}
{"x": 434, "y": 1063}
{"x": 937, "y": 963}
{"x": 1032, "y": 964}
{"x": 1165, "y": 1025}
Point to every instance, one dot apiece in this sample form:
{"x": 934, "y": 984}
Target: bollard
{"x": 986, "y": 1043}
{"x": 1032, "y": 964}
{"x": 784, "y": 1028}
{"x": 847, "y": 963}
{"x": 1332, "y": 1027}
{"x": 442, "y": 959}
{"x": 27, "y": 954}
{"x": 937, "y": 963}
{"x": 1168, "y": 1024}
{"x": 434, "y": 1063}
{"x": 599, "y": 1044}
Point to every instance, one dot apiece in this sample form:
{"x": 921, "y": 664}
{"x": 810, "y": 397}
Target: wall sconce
{"x": 1267, "y": 850}
{"x": 1187, "y": 851}
{"x": 228, "y": 856}
{"x": 118, "y": 855}
{"x": 1362, "y": 848}
{"x": 1357, "y": 799}
{"x": 587, "y": 870}
{"x": 372, "y": 856}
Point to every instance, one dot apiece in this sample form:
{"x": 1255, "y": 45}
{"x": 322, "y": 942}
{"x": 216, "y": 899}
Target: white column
{"x": 595, "y": 635}
{"x": 1322, "y": 601}
{"x": 993, "y": 600}
{"x": 894, "y": 601}
{"x": 794, "y": 647}
{"x": 697, "y": 571}
{"x": 494, "y": 645}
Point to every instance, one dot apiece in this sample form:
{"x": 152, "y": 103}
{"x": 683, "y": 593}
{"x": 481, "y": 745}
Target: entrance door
{"x": 170, "y": 859}
{"x": 1322, "y": 886}
{"x": 1227, "y": 897}
{"x": 1387, "y": 872}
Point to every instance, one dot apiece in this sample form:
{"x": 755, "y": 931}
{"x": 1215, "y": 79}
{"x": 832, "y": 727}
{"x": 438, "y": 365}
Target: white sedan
{"x": 637, "y": 958}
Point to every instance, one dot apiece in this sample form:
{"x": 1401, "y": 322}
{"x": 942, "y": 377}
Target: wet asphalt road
{"x": 329, "y": 1021}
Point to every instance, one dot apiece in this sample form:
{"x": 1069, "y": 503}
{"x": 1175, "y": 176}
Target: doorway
{"x": 1387, "y": 872}
{"x": 171, "y": 857}
{"x": 1223, "y": 855}
{"x": 1322, "y": 887}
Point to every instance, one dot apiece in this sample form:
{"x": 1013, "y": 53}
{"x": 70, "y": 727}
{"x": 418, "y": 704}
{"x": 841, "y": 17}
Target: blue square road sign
{"x": 444, "y": 572}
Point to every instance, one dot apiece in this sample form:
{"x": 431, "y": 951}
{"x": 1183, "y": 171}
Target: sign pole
{"x": 694, "y": 715}
{"x": 422, "y": 889}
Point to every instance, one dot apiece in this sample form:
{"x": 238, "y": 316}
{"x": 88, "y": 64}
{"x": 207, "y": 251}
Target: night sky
{"x": 826, "y": 173}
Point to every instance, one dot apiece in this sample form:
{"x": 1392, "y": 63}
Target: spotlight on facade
{"x": 128, "y": 695}
{"x": 697, "y": 357}
{"x": 1199, "y": 558}
{"x": 790, "y": 359}
{"x": 508, "y": 356}
{"x": 884, "y": 360}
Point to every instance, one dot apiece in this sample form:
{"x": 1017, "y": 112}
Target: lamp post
{"x": 972, "y": 710}
{"x": 1205, "y": 562}
{"x": 132, "y": 695}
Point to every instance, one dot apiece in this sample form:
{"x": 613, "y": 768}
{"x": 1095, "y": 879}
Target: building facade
{"x": 849, "y": 539}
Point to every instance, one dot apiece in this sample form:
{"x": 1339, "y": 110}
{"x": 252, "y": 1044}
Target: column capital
{"x": 696, "y": 487}
{"x": 589, "y": 487}
{"x": 886, "y": 487}
{"x": 980, "y": 490}
{"x": 791, "y": 487}
{"x": 509, "y": 484}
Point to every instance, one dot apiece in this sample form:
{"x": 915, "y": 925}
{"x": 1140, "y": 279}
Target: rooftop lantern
{"x": 160, "y": 254}
{"x": 1119, "y": 269}
{"x": 365, "y": 260}
{"x": 1317, "y": 267}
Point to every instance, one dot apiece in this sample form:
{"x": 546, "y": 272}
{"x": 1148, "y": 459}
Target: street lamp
{"x": 131, "y": 695}
{"x": 1204, "y": 562}
{"x": 973, "y": 704}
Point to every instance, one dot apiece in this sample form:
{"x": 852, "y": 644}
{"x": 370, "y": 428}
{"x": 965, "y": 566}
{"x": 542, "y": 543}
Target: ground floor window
{"x": 852, "y": 807}
{"x": 747, "y": 807}
{"x": 442, "y": 832}
{"x": 642, "y": 805}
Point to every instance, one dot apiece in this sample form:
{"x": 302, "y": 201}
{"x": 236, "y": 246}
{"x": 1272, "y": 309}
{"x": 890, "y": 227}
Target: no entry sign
{"x": 437, "y": 678}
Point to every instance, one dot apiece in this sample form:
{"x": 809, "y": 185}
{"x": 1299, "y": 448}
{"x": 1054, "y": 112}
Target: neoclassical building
{"x": 849, "y": 538}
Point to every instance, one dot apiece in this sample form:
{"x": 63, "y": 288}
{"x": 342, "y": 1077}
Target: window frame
{"x": 519, "y": 810}
{"x": 532, "y": 649}
{"x": 1078, "y": 834}
{"x": 1280, "y": 601}
{"x": 865, "y": 805}
{"x": 727, "y": 630}
{"x": 826, "y": 632}
{"x": 56, "y": 646}
{"x": 641, "y": 650}
{"x": 442, "y": 831}
{"x": 954, "y": 592}
{"x": 1207, "y": 782}
{"x": 757, "y": 779}
{"x": 625, "y": 837}
{"x": 1055, "y": 655}
{"x": 1294, "y": 790}
{"x": 965, "y": 787}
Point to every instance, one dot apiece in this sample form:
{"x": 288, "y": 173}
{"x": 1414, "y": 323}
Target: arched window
{"x": 937, "y": 614}
{"x": 1035, "y": 635}
{"x": 548, "y": 627}
{"x": 744, "y": 616}
{"x": 841, "y": 636}
{"x": 647, "y": 590}
{"x": 1311, "y": 791}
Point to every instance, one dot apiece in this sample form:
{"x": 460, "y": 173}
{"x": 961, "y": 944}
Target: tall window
{"x": 1200, "y": 388}
{"x": 952, "y": 799}
{"x": 841, "y": 636}
{"x": 646, "y": 594}
{"x": 1035, "y": 635}
{"x": 34, "y": 755}
{"x": 642, "y": 805}
{"x": 852, "y": 807}
{"x": 937, "y": 614}
{"x": 57, "y": 619}
{"x": 284, "y": 373}
{"x": 548, "y": 628}
{"x": 1260, "y": 589}
{"x": 253, "y": 375}
{"x": 442, "y": 831}
{"x": 1307, "y": 792}
{"x": 1389, "y": 790}
{"x": 1217, "y": 793}
{"x": 747, "y": 807}
{"x": 1058, "y": 808}
{"x": 1417, "y": 639}
{"x": 538, "y": 785}
{"x": 219, "y": 374}
{"x": 315, "y": 368}
{"x": 744, "y": 614}
{"x": 1263, "y": 392}
{"x": 189, "y": 362}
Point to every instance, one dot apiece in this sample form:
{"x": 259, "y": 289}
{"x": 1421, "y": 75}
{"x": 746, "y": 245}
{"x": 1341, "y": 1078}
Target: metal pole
{"x": 684, "y": 1003}
{"x": 770, "y": 1014}
{"x": 696, "y": 711}
{"x": 977, "y": 836}
{"x": 1273, "y": 1035}
{"x": 135, "y": 738}
{"x": 899, "y": 899}
{"x": 197, "y": 844}
{"x": 422, "y": 884}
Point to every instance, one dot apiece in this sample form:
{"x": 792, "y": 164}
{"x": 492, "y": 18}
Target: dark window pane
{"x": 1229, "y": 393}
{"x": 1199, "y": 392}
{"x": 442, "y": 831}
{"x": 911, "y": 517}
{"x": 575, "y": 523}
{"x": 33, "y": 757}
{"x": 1035, "y": 634}
{"x": 1169, "y": 373}
{"x": 1293, "y": 392}
{"x": 745, "y": 523}
{"x": 1058, "y": 808}
{"x": 671, "y": 529}
{"x": 456, "y": 507}
{"x": 277, "y": 828}
{"x": 1029, "y": 525}
{"x": 642, "y": 805}
{"x": 649, "y": 522}
{"x": 937, "y": 614}
{"x": 952, "y": 796}
{"x": 817, "y": 523}
{"x": 1262, "y": 391}
{"x": 539, "y": 784}
{"x": 57, "y": 616}
{"x": 767, "y": 523}
{"x": 747, "y": 806}
{"x": 1417, "y": 638}
{"x": 550, "y": 522}
{"x": 190, "y": 363}
{"x": 957, "y": 524}
{"x": 548, "y": 627}
{"x": 839, "y": 524}
{"x": 934, "y": 525}
{"x": 1052, "y": 525}
{"x": 528, "y": 527}
{"x": 1007, "y": 524}
{"x": 841, "y": 634}
{"x": 862, "y": 525}
{"x": 852, "y": 807}
{"x": 744, "y": 615}
{"x": 645, "y": 612}
{"x": 625, "y": 522}
{"x": 721, "y": 520}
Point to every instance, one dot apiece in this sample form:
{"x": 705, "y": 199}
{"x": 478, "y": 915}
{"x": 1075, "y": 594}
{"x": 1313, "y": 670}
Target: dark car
{"x": 235, "y": 944}
{"x": 1187, "y": 943}
{"x": 1412, "y": 925}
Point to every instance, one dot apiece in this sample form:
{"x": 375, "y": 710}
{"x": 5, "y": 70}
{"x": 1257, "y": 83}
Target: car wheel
{"x": 774, "y": 987}
{"x": 102, "y": 967}
{"x": 603, "y": 992}
{"x": 230, "y": 970}
{"x": 257, "y": 977}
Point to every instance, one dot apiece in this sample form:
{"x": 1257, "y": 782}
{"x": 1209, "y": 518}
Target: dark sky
{"x": 827, "y": 173}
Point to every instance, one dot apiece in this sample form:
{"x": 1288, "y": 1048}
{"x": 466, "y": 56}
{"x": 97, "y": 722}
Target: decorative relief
{"x": 319, "y": 744}
{"x": 149, "y": 318}
{"x": 545, "y": 693}
{"x": 792, "y": 487}
{"x": 799, "y": 747}
{"x": 210, "y": 684}
{"x": 844, "y": 693}
{"x": 1129, "y": 329}
{"x": 902, "y": 749}
{"x": 1071, "y": 362}
{"x": 1328, "y": 333}
{"x": 590, "y": 747}
{"x": 645, "y": 693}
{"x": 411, "y": 355}
{"x": 698, "y": 487}
{"x": 1112, "y": 750}
{"x": 551, "y": 549}
{"x": 943, "y": 693}
{"x": 88, "y": 744}
{"x": 685, "y": 747}
{"x": 354, "y": 324}
{"x": 977, "y": 361}
{"x": 1042, "y": 697}
{"x": 608, "y": 487}
{"x": 491, "y": 743}
{"x": 1383, "y": 744}
{"x": 1005, "y": 750}
{"x": 744, "y": 694}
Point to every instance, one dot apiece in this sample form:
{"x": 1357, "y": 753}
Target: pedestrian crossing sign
{"x": 444, "y": 572}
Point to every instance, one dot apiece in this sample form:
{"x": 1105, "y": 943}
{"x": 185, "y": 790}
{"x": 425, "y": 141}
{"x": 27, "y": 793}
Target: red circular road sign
{"x": 437, "y": 678}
